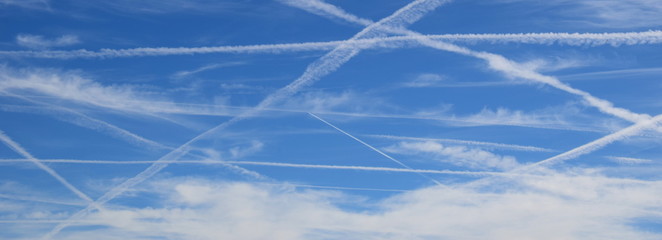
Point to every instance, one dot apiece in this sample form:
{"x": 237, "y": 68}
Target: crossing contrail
{"x": 315, "y": 71}
{"x": 572, "y": 39}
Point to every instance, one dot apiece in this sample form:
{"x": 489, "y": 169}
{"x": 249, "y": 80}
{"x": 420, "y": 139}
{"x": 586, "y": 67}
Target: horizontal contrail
{"x": 467, "y": 142}
{"x": 270, "y": 164}
{"x": 572, "y": 39}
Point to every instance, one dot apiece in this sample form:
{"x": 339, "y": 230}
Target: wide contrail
{"x": 572, "y": 39}
{"x": 323, "y": 66}
{"x": 20, "y": 150}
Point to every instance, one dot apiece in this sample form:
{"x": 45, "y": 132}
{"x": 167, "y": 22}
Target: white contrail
{"x": 466, "y": 142}
{"x": 373, "y": 148}
{"x": 495, "y": 61}
{"x": 571, "y": 39}
{"x": 270, "y": 164}
{"x": 323, "y": 66}
{"x": 601, "y": 142}
{"x": 20, "y": 150}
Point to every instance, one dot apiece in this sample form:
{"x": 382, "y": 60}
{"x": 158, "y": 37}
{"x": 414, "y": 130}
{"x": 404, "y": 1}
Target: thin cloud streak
{"x": 572, "y": 39}
{"x": 20, "y": 150}
{"x": 315, "y": 71}
{"x": 466, "y": 142}
{"x": 373, "y": 148}
{"x": 33, "y": 199}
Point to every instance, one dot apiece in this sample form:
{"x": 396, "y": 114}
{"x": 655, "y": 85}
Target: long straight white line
{"x": 322, "y": 67}
{"x": 572, "y": 39}
{"x": 20, "y": 150}
{"x": 374, "y": 149}
{"x": 270, "y": 164}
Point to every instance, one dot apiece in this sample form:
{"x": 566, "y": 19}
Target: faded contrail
{"x": 323, "y": 66}
{"x": 271, "y": 164}
{"x": 112, "y": 130}
{"x": 93, "y": 123}
{"x": 33, "y": 199}
{"x": 466, "y": 142}
{"x": 571, "y": 39}
{"x": 374, "y": 149}
{"x": 20, "y": 150}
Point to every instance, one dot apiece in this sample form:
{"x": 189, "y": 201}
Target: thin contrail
{"x": 374, "y": 149}
{"x": 323, "y": 66}
{"x": 270, "y": 164}
{"x": 467, "y": 142}
{"x": 20, "y": 150}
{"x": 571, "y": 39}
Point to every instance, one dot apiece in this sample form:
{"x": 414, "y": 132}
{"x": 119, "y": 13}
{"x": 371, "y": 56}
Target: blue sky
{"x": 311, "y": 119}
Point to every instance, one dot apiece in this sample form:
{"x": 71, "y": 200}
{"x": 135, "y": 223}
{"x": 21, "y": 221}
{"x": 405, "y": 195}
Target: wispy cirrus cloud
{"x": 471, "y": 157}
{"x": 41, "y": 42}
{"x": 606, "y": 13}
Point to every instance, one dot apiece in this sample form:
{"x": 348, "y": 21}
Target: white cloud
{"x": 457, "y": 155}
{"x": 425, "y": 80}
{"x": 318, "y": 101}
{"x": 40, "y": 42}
{"x": 552, "y": 207}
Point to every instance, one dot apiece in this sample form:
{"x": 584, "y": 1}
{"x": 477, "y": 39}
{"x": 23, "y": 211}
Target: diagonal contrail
{"x": 20, "y": 150}
{"x": 323, "y": 66}
{"x": 374, "y": 149}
